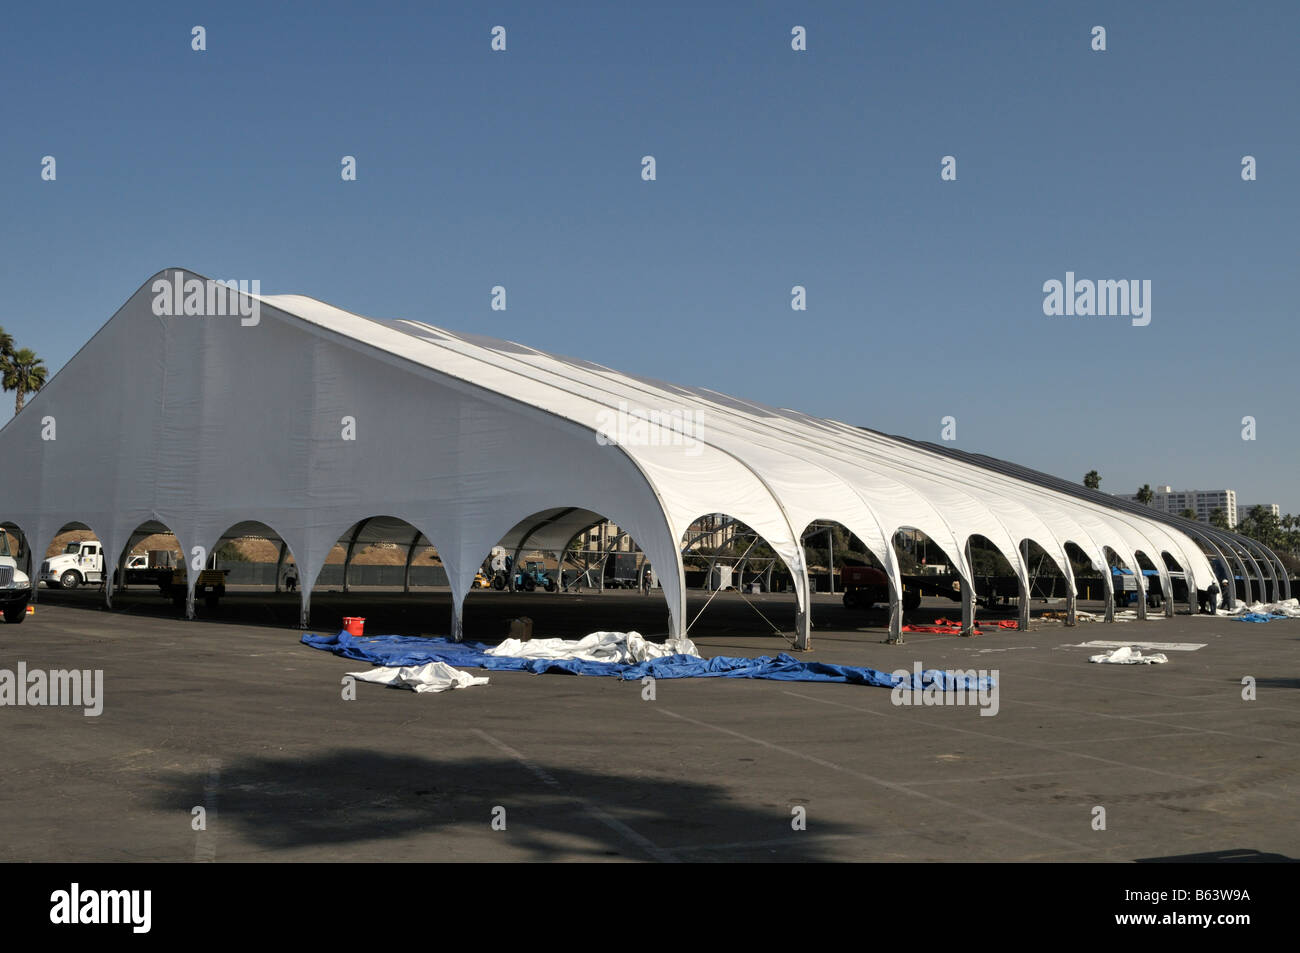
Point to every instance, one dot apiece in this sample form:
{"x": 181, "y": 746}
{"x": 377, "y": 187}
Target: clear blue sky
{"x": 775, "y": 168}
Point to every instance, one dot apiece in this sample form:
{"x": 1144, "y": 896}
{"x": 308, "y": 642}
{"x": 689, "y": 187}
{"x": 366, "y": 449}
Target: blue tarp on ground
{"x": 400, "y": 650}
{"x": 1259, "y": 617}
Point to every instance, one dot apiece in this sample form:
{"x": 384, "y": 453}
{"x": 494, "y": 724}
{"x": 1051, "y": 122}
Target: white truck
{"x": 81, "y": 562}
{"x": 15, "y": 587}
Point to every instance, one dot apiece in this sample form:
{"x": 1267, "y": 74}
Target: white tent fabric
{"x": 431, "y": 677}
{"x": 315, "y": 421}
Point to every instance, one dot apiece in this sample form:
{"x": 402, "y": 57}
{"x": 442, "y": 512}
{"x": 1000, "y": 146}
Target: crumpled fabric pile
{"x": 1264, "y": 612}
{"x": 619, "y": 647}
{"x": 433, "y": 677}
{"x": 1127, "y": 655}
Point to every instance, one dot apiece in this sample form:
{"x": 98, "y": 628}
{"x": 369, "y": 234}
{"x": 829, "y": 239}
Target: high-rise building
{"x": 1244, "y": 508}
{"x": 1204, "y": 502}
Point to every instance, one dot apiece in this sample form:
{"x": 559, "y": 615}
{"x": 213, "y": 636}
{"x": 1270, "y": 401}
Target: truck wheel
{"x": 550, "y": 585}
{"x": 498, "y": 582}
{"x": 70, "y": 579}
{"x": 529, "y": 583}
{"x": 15, "y": 614}
{"x": 911, "y": 600}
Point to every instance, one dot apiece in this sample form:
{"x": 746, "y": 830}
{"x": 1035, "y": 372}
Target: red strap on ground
{"x": 949, "y": 627}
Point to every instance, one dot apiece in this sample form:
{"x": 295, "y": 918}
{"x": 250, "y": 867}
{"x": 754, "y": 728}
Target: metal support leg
{"x": 410, "y": 555}
{"x": 279, "y": 563}
{"x": 830, "y": 556}
{"x": 352, "y": 545}
{"x": 803, "y": 629}
{"x": 457, "y": 621}
{"x": 967, "y": 608}
{"x": 1023, "y": 586}
{"x": 895, "y": 618}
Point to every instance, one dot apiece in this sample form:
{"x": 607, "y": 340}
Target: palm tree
{"x": 1291, "y": 524}
{"x": 1144, "y": 494}
{"x": 24, "y": 372}
{"x": 1188, "y": 514}
{"x": 1092, "y": 480}
{"x": 6, "y": 351}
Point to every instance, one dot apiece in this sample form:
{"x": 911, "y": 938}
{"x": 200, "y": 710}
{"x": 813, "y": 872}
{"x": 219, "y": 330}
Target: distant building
{"x": 1245, "y": 508}
{"x": 1204, "y": 502}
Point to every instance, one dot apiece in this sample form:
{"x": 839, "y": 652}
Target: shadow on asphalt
{"x": 350, "y": 797}
{"x": 1243, "y": 855}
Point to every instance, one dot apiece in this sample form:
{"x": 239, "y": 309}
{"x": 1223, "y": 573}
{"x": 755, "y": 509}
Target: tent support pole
{"x": 1228, "y": 596}
{"x": 1023, "y": 584}
{"x": 895, "y": 617}
{"x": 830, "y": 558}
{"x": 708, "y": 576}
{"x": 304, "y": 604}
{"x": 803, "y": 618}
{"x": 967, "y": 607}
{"x": 457, "y": 619}
{"x": 119, "y": 579}
{"x": 410, "y": 555}
{"x": 352, "y": 545}
{"x": 280, "y": 562}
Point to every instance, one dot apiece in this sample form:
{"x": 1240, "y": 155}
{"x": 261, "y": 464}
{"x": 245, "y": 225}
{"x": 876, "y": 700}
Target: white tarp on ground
{"x": 314, "y": 422}
{"x": 433, "y": 677}
{"x": 1128, "y": 656}
{"x": 1287, "y": 607}
{"x": 1121, "y": 615}
{"x": 621, "y": 647}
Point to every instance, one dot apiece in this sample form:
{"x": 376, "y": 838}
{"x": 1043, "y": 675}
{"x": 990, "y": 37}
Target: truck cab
{"x": 81, "y": 562}
{"x": 15, "y": 587}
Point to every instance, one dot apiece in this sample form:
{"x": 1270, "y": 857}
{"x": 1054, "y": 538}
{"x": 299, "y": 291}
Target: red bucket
{"x": 354, "y": 625}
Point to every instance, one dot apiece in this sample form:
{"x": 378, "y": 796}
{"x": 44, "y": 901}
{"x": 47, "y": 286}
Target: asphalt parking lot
{"x": 233, "y": 715}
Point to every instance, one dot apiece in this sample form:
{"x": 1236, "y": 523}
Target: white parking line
{"x": 890, "y": 785}
{"x": 613, "y": 823}
{"x": 1154, "y": 646}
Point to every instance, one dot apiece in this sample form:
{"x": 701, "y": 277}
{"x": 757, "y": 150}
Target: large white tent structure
{"x": 313, "y": 425}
